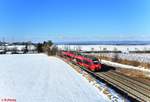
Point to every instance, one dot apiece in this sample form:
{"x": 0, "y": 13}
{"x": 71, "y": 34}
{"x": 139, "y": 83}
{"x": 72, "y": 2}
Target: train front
{"x": 96, "y": 66}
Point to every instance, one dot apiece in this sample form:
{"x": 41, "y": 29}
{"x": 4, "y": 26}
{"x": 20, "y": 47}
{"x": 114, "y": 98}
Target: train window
{"x": 86, "y": 62}
{"x": 78, "y": 60}
{"x": 68, "y": 56}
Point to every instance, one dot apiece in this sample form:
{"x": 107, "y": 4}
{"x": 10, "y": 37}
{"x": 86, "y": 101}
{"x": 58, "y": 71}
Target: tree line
{"x": 47, "y": 47}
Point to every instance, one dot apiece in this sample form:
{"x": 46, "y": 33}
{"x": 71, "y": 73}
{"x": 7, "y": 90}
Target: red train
{"x": 89, "y": 62}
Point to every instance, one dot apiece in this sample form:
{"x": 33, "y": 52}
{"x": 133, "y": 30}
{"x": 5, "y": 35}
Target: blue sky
{"x": 78, "y": 20}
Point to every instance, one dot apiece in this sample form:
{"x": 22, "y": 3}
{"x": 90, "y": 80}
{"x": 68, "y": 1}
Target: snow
{"x": 39, "y": 78}
{"x": 1, "y": 50}
{"x": 18, "y": 47}
{"x": 114, "y": 64}
{"x": 123, "y": 48}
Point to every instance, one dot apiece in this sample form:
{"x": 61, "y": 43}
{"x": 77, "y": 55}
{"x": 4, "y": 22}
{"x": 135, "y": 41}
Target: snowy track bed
{"x": 39, "y": 78}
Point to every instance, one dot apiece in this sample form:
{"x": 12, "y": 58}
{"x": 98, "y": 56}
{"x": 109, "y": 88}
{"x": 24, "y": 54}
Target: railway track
{"x": 133, "y": 88}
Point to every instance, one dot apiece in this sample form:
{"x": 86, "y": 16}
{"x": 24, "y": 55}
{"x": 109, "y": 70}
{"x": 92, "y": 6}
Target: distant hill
{"x": 104, "y": 43}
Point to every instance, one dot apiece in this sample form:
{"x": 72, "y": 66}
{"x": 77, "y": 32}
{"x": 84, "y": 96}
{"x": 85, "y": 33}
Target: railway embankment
{"x": 129, "y": 70}
{"x": 138, "y": 61}
{"x": 136, "y": 89}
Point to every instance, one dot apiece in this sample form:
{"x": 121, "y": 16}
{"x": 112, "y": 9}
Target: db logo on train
{"x": 7, "y": 100}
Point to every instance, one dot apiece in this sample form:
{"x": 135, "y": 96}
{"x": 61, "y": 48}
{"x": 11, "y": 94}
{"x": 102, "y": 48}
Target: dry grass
{"x": 135, "y": 74}
{"x": 128, "y": 62}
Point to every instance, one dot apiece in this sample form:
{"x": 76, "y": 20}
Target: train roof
{"x": 80, "y": 55}
{"x": 83, "y": 56}
{"x": 90, "y": 57}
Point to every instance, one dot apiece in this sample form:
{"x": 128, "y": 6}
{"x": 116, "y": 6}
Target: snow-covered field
{"x": 123, "y": 48}
{"x": 39, "y": 78}
{"x": 18, "y": 47}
